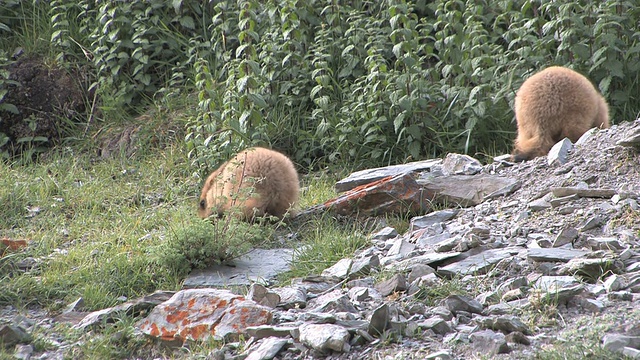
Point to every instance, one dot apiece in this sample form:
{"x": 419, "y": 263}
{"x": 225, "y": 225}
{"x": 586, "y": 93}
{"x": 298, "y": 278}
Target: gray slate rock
{"x": 616, "y": 342}
{"x": 631, "y": 138}
{"x": 338, "y": 270}
{"x": 77, "y": 305}
{"x": 554, "y": 255}
{"x": 489, "y": 342}
{"x": 442, "y": 312}
{"x": 395, "y": 284}
{"x": 514, "y": 283}
{"x": 559, "y": 295}
{"x": 401, "y": 247}
{"x": 325, "y": 337}
{"x": 292, "y": 297}
{"x": 359, "y": 294}
{"x": 259, "y": 265}
{"x": 370, "y": 175}
{"x": 263, "y": 296}
{"x": 539, "y": 204}
{"x": 267, "y": 349}
{"x": 131, "y": 308}
{"x": 379, "y": 320}
{"x": 13, "y": 334}
{"x": 436, "y": 217}
{"x": 384, "y": 234}
{"x": 590, "y": 268}
{"x": 426, "y": 259}
{"x": 553, "y": 283}
{"x": 604, "y": 243}
{"x": 505, "y": 323}
{"x": 559, "y": 153}
{"x": 334, "y": 301}
{"x": 459, "y": 164}
{"x": 418, "y": 271}
{"x": 556, "y": 202}
{"x": 517, "y": 338}
{"x": 440, "y": 355}
{"x": 269, "y": 331}
{"x": 467, "y": 190}
{"x": 476, "y": 264}
{"x": 458, "y": 303}
{"x": 583, "y": 192}
{"x": 566, "y": 236}
{"x": 23, "y": 352}
{"x": 437, "y": 324}
{"x": 586, "y": 136}
{"x": 363, "y": 266}
{"x": 631, "y": 353}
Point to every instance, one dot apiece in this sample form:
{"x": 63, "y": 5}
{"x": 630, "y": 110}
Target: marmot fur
{"x": 254, "y": 183}
{"x": 555, "y": 103}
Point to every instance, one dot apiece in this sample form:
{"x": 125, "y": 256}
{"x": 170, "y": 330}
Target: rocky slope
{"x": 553, "y": 260}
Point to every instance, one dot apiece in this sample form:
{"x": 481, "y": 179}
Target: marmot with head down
{"x": 254, "y": 183}
{"x": 555, "y": 103}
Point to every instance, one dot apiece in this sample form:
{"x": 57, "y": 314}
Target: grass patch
{"x": 198, "y": 243}
{"x": 90, "y": 226}
{"x": 317, "y": 189}
{"x": 323, "y": 241}
{"x": 434, "y": 293}
{"x": 127, "y": 226}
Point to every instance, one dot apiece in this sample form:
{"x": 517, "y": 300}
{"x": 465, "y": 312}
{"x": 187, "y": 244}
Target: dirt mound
{"x": 47, "y": 98}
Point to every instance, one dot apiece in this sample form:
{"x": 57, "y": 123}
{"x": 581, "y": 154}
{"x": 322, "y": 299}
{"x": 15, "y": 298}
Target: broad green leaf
{"x": 187, "y": 21}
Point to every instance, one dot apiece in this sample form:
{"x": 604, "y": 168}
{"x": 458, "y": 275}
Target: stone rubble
{"x": 466, "y": 282}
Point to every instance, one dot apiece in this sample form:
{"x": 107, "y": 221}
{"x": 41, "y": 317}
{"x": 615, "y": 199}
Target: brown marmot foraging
{"x": 555, "y": 103}
{"x": 255, "y": 182}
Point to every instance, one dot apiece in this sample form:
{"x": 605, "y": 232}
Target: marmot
{"x": 255, "y": 182}
{"x": 555, "y": 103}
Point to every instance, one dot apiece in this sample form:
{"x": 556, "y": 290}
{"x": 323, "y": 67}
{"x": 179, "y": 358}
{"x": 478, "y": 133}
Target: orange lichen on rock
{"x": 397, "y": 193}
{"x": 176, "y": 316}
{"x": 197, "y": 314}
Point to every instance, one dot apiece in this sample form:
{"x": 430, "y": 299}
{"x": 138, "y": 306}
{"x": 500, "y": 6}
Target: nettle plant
{"x": 5, "y": 106}
{"x": 355, "y": 82}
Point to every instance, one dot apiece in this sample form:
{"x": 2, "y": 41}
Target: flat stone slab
{"x": 370, "y": 175}
{"x": 553, "y": 254}
{"x": 466, "y": 190}
{"x": 426, "y": 259}
{"x": 476, "y": 264}
{"x": 259, "y": 265}
{"x": 582, "y": 192}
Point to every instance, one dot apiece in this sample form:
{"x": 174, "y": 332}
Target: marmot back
{"x": 555, "y": 103}
{"x": 255, "y": 182}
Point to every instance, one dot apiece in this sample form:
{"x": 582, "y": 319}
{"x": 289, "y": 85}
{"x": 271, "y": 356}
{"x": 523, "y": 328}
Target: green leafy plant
{"x": 5, "y": 106}
{"x": 326, "y": 81}
{"x": 202, "y": 243}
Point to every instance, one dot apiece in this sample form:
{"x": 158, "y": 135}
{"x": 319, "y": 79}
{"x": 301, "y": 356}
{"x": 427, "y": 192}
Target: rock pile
{"x": 522, "y": 248}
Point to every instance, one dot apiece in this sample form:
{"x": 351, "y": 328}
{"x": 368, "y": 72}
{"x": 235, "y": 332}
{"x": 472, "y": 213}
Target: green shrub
{"x": 201, "y": 243}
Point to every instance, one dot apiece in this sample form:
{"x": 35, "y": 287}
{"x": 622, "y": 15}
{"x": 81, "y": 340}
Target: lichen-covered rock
{"x": 197, "y": 314}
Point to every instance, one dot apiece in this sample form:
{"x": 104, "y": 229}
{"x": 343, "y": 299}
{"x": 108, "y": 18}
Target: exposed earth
{"x": 47, "y": 98}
